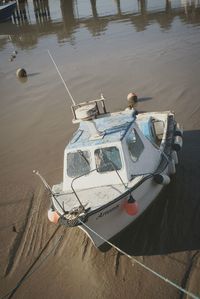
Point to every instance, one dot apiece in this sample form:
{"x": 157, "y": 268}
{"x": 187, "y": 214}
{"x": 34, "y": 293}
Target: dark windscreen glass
{"x": 107, "y": 159}
{"x": 135, "y": 145}
{"x": 78, "y": 163}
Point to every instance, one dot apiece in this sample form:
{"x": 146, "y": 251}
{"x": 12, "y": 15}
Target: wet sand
{"x": 162, "y": 65}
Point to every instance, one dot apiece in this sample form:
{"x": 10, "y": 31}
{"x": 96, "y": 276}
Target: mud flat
{"x": 158, "y": 57}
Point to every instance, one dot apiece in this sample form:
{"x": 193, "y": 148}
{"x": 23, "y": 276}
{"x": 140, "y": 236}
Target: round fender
{"x": 162, "y": 179}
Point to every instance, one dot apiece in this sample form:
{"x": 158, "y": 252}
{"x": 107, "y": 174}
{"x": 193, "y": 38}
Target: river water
{"x": 110, "y": 47}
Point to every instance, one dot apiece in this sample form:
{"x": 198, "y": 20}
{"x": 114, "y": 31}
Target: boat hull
{"x": 108, "y": 208}
{"x": 110, "y": 221}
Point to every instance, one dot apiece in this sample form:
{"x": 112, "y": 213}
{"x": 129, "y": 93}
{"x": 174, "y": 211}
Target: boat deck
{"x": 92, "y": 198}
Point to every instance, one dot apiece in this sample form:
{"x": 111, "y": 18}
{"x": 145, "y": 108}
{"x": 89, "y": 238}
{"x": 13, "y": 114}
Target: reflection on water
{"x": 42, "y": 12}
{"x": 63, "y": 18}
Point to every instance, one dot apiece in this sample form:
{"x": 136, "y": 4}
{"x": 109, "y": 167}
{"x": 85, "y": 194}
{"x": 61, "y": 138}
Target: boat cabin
{"x": 115, "y": 165}
{"x": 109, "y": 149}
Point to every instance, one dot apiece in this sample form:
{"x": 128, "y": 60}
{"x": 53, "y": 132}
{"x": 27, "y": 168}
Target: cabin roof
{"x": 113, "y": 126}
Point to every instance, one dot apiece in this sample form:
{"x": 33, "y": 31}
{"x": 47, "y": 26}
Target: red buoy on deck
{"x": 131, "y": 207}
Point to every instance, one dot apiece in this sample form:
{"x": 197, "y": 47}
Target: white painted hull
{"x": 113, "y": 219}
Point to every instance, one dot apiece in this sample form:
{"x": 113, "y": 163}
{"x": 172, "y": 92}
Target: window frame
{"x": 137, "y": 137}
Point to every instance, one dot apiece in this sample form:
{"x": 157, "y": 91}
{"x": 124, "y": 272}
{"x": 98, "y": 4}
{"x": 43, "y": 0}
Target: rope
{"x": 45, "y": 258}
{"x": 143, "y": 265}
{"x": 28, "y": 273}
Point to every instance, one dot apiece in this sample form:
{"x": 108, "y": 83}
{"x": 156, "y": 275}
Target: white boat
{"x": 115, "y": 166}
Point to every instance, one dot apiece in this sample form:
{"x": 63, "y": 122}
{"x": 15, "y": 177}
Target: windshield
{"x": 78, "y": 163}
{"x": 107, "y": 159}
{"x": 135, "y": 145}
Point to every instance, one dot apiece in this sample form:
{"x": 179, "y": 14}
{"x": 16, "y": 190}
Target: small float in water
{"x": 115, "y": 165}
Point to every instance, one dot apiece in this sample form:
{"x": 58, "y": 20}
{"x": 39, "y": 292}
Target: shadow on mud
{"x": 172, "y": 222}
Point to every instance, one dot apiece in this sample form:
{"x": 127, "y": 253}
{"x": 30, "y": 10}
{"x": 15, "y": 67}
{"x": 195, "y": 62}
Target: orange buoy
{"x": 53, "y": 216}
{"x": 131, "y": 206}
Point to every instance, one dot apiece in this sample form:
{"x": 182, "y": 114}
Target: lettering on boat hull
{"x": 105, "y": 213}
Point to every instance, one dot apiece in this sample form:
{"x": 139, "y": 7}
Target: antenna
{"x": 74, "y": 103}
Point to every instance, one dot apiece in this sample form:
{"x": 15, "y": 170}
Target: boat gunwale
{"x": 121, "y": 196}
{"x": 131, "y": 189}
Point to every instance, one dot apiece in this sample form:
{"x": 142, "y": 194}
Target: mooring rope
{"x": 142, "y": 265}
{"x": 31, "y": 268}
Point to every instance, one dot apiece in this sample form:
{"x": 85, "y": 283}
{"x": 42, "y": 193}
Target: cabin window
{"x": 78, "y": 163}
{"x": 135, "y": 145}
{"x": 107, "y": 159}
